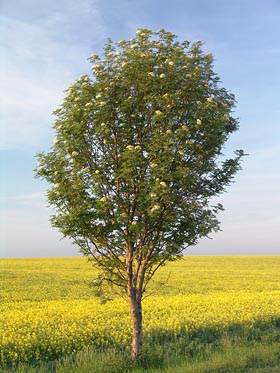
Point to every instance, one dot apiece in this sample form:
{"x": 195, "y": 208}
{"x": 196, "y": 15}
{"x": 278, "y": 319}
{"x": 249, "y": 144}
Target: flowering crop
{"x": 48, "y": 309}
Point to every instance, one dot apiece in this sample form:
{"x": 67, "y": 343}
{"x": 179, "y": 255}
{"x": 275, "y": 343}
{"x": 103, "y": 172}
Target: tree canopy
{"x": 138, "y": 156}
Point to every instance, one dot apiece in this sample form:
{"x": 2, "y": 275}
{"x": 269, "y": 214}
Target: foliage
{"x": 43, "y": 323}
{"x": 137, "y": 156}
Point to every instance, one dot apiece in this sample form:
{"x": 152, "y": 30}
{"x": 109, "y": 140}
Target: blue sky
{"x": 44, "y": 48}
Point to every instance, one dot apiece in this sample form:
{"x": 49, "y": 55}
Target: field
{"x": 198, "y": 306}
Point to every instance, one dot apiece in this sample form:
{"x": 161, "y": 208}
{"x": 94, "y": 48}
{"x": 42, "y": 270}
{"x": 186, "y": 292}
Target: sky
{"x": 44, "y": 47}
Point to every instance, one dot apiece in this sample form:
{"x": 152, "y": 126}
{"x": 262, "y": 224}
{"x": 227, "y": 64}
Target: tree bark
{"x": 136, "y": 317}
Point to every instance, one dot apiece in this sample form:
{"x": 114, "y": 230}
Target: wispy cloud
{"x": 37, "y": 199}
{"x": 39, "y": 60}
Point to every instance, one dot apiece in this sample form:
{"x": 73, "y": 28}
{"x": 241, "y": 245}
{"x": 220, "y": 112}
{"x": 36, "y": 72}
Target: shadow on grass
{"x": 164, "y": 349}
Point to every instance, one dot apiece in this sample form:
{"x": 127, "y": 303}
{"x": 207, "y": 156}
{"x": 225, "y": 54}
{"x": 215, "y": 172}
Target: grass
{"x": 254, "y": 357}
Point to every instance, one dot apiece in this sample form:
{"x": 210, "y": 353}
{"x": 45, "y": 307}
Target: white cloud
{"x": 32, "y": 200}
{"x": 39, "y": 60}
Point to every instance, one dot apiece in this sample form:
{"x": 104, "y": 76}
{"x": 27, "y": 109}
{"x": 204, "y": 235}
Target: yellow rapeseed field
{"x": 48, "y": 308}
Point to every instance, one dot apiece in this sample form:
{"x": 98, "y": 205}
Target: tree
{"x": 137, "y": 158}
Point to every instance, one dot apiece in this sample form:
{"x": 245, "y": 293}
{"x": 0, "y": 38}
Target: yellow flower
{"x": 129, "y": 147}
{"x": 53, "y": 322}
{"x": 198, "y": 121}
{"x": 155, "y": 208}
{"x": 185, "y": 128}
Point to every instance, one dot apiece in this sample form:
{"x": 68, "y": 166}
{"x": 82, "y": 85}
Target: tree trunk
{"x": 136, "y": 316}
